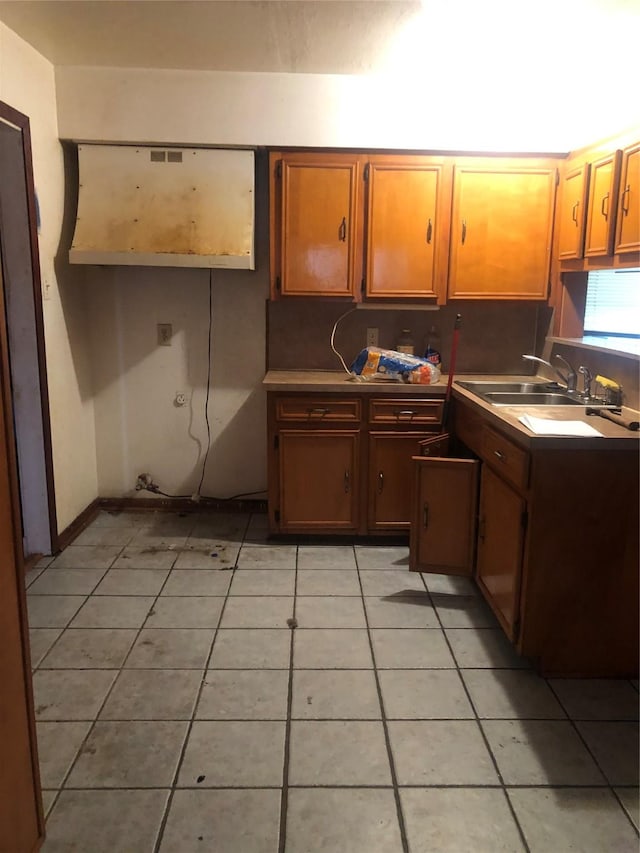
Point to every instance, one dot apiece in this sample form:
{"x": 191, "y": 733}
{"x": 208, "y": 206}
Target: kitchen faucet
{"x": 570, "y": 379}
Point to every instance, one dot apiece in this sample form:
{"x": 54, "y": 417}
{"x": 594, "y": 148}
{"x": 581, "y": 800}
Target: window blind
{"x": 613, "y": 303}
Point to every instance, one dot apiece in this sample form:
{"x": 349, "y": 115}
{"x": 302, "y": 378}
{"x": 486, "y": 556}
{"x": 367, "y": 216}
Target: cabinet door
{"x": 628, "y": 225}
{"x": 390, "y": 479}
{"x": 444, "y": 516}
{"x": 404, "y": 233}
{"x": 318, "y": 226}
{"x": 318, "y": 480}
{"x": 572, "y": 213}
{"x": 500, "y": 547}
{"x": 501, "y": 233}
{"x": 601, "y": 209}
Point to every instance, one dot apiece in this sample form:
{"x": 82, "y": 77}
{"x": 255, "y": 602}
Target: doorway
{"x": 25, "y": 334}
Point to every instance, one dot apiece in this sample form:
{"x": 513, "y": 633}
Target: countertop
{"x": 504, "y": 418}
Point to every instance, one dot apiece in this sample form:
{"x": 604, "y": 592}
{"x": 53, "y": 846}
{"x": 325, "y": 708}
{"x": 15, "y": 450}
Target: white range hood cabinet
{"x": 169, "y": 207}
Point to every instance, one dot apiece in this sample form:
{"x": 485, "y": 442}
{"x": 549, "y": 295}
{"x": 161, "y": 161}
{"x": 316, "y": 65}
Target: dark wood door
{"x": 444, "y": 516}
{"x": 390, "y": 479}
{"x": 21, "y": 821}
{"x": 319, "y": 476}
{"x": 500, "y": 547}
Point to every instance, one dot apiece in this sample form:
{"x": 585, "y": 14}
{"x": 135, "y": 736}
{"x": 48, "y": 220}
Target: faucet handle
{"x": 588, "y": 379}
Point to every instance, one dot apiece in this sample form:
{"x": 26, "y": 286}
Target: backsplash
{"x": 624, "y": 371}
{"x": 493, "y": 335}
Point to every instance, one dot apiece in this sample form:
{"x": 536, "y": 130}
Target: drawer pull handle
{"x": 318, "y": 411}
{"x": 380, "y": 482}
{"x": 425, "y": 516}
{"x": 347, "y": 481}
{"x": 501, "y": 456}
{"x": 429, "y": 231}
{"x": 342, "y": 231}
{"x": 574, "y": 212}
{"x": 405, "y": 413}
{"x": 464, "y": 230}
{"x": 604, "y": 212}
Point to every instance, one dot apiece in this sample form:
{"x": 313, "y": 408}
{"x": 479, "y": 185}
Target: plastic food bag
{"x": 375, "y": 364}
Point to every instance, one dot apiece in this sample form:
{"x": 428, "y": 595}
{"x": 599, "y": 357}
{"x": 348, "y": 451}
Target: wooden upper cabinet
{"x": 501, "y": 231}
{"x": 628, "y": 224}
{"x": 572, "y": 213}
{"x": 407, "y": 227}
{"x": 319, "y": 225}
{"x": 601, "y": 209}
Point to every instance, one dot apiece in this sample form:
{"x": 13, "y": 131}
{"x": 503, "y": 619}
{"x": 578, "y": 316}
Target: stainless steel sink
{"x": 522, "y": 393}
{"x": 531, "y": 399}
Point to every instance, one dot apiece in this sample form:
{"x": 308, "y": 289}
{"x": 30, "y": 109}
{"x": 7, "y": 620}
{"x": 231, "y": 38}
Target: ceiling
{"x": 305, "y": 36}
{"x": 327, "y": 36}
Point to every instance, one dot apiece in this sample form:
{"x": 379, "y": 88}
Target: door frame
{"x": 20, "y": 121}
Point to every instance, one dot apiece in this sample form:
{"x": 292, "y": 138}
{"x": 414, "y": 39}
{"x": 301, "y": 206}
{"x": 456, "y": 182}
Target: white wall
{"x": 138, "y": 426}
{"x": 460, "y": 106}
{"x": 27, "y": 83}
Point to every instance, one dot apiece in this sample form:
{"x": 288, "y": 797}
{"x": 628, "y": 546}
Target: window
{"x": 613, "y": 303}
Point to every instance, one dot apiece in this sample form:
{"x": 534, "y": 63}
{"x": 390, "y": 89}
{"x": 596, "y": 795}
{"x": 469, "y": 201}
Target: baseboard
{"x": 183, "y": 504}
{"x": 76, "y": 527}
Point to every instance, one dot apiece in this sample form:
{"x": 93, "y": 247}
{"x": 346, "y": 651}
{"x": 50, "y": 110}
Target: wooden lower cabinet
{"x": 501, "y": 524}
{"x": 556, "y": 546}
{"x": 342, "y": 464}
{"x": 319, "y": 480}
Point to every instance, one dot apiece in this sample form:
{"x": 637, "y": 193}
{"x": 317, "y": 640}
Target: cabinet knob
{"x": 342, "y": 231}
{"x": 380, "y": 482}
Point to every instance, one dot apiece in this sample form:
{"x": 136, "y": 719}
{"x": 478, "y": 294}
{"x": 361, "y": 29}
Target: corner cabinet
{"x": 341, "y": 464}
{"x": 558, "y": 567}
{"x": 501, "y": 231}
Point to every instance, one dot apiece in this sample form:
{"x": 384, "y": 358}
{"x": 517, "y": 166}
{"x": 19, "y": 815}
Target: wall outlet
{"x": 372, "y": 337}
{"x": 180, "y": 399}
{"x": 165, "y": 333}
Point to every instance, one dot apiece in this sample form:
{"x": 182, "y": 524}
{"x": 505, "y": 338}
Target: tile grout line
{"x": 284, "y": 795}
{"x": 392, "y": 769}
{"x": 583, "y": 740}
{"x": 502, "y": 786}
{"x": 172, "y": 790}
{"x": 93, "y": 722}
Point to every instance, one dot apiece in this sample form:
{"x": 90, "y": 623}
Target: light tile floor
{"x": 179, "y": 708}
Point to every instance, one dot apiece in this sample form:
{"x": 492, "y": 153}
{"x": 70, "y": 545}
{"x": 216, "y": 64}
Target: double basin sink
{"x": 522, "y": 393}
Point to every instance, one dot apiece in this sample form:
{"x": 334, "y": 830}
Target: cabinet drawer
{"x": 505, "y": 457}
{"x": 318, "y": 410}
{"x": 405, "y": 412}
